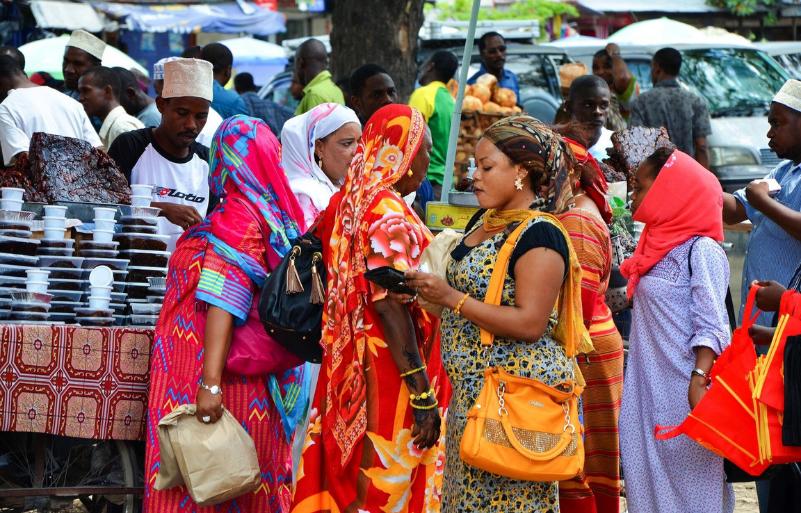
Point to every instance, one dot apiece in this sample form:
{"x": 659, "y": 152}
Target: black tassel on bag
{"x": 791, "y": 430}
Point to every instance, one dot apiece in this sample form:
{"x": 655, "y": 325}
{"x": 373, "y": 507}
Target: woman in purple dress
{"x": 677, "y": 279}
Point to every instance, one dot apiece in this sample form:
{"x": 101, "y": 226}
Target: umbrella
{"x": 660, "y": 31}
{"x": 261, "y": 59}
{"x": 47, "y": 55}
{"x": 577, "y": 41}
{"x": 719, "y": 35}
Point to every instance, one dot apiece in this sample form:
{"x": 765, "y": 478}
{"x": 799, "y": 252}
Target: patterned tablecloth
{"x": 73, "y": 381}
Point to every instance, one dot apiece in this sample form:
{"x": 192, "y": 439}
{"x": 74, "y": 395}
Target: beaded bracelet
{"x": 422, "y": 396}
{"x": 458, "y": 308}
{"x": 413, "y": 371}
{"x": 429, "y": 407}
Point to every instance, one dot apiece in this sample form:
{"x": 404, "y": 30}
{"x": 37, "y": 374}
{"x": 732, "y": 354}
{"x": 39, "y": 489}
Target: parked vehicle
{"x": 277, "y": 90}
{"x": 738, "y": 83}
{"x": 786, "y": 53}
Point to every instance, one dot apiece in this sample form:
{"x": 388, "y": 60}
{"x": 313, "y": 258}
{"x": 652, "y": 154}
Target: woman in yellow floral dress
{"x": 371, "y": 446}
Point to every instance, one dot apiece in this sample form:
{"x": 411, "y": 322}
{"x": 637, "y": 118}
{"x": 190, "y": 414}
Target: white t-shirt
{"x": 213, "y": 122}
{"x": 181, "y": 181}
{"x": 28, "y": 110}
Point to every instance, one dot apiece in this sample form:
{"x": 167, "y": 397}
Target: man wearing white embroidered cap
{"x": 83, "y": 52}
{"x": 168, "y": 156}
{"x": 214, "y": 120}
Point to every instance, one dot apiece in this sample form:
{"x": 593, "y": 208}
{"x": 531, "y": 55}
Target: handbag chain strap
{"x": 502, "y": 411}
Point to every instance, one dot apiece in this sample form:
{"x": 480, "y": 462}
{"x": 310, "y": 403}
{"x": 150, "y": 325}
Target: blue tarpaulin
{"x": 224, "y": 17}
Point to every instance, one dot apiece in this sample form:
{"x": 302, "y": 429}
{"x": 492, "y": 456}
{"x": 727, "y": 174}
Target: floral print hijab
{"x": 390, "y": 141}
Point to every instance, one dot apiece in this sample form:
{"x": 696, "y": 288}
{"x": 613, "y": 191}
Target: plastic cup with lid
{"x": 11, "y": 193}
{"x": 11, "y": 205}
{"x": 55, "y": 223}
{"x": 55, "y": 211}
{"x": 99, "y": 302}
{"x": 141, "y": 189}
{"x": 37, "y": 275}
{"x": 54, "y": 234}
{"x": 104, "y": 224}
{"x": 141, "y": 201}
{"x": 101, "y": 276}
{"x": 103, "y": 236}
{"x": 104, "y": 213}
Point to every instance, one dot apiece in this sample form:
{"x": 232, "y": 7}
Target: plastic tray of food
{"x": 30, "y": 307}
{"x": 146, "y": 308}
{"x": 116, "y": 264}
{"x": 90, "y": 245}
{"x": 155, "y": 299}
{"x": 86, "y": 311}
{"x": 137, "y": 213}
{"x": 95, "y": 321}
{"x": 12, "y": 281}
{"x": 138, "y": 291}
{"x": 141, "y": 273}
{"x": 14, "y": 259}
{"x": 17, "y": 217}
{"x": 66, "y": 295}
{"x": 147, "y": 258}
{"x": 68, "y": 284}
{"x": 57, "y": 244}
{"x": 64, "y": 273}
{"x": 28, "y": 316}
{"x": 5, "y": 313}
{"x": 14, "y": 270}
{"x": 118, "y": 297}
{"x": 5, "y": 302}
{"x": 22, "y": 234}
{"x": 18, "y": 245}
{"x": 64, "y": 252}
{"x": 143, "y": 320}
{"x": 60, "y": 306}
{"x": 146, "y": 241}
{"x": 30, "y": 297}
{"x": 117, "y": 307}
{"x": 98, "y": 253}
{"x": 66, "y": 318}
{"x": 68, "y": 262}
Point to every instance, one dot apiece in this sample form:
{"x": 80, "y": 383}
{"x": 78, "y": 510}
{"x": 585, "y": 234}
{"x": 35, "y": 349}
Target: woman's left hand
{"x": 433, "y": 288}
{"x": 697, "y": 391}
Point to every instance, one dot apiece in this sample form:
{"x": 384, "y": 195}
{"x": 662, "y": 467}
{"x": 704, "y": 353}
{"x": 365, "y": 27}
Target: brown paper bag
{"x": 217, "y": 462}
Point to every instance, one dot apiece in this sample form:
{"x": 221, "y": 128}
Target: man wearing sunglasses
{"x": 492, "y": 49}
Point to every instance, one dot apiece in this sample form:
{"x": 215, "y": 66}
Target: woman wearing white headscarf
{"x": 318, "y": 147}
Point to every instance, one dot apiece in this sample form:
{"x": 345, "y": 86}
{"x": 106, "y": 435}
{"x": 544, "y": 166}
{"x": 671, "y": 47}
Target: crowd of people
{"x": 378, "y": 425}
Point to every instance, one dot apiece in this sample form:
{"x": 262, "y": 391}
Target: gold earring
{"x": 519, "y": 183}
{"x": 319, "y": 161}
{"x": 410, "y": 173}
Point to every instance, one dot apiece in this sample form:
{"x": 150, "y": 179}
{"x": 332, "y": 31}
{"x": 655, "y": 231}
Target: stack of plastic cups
{"x": 100, "y": 280}
{"x": 11, "y": 198}
{"x": 141, "y": 195}
{"x": 55, "y": 222}
{"x": 104, "y": 224}
{"x": 37, "y": 281}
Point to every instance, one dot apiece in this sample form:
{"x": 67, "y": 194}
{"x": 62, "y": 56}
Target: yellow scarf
{"x": 494, "y": 220}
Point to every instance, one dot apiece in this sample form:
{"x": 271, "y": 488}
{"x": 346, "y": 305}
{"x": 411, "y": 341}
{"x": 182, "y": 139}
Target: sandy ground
{"x": 746, "y": 499}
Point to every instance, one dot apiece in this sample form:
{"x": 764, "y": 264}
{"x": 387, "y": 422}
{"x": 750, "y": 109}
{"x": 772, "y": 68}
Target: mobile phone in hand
{"x": 389, "y": 278}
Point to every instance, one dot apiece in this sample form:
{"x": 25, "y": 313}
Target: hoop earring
{"x": 519, "y": 183}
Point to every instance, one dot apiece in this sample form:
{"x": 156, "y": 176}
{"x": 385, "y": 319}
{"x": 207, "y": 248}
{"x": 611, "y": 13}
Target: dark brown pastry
{"x": 633, "y": 145}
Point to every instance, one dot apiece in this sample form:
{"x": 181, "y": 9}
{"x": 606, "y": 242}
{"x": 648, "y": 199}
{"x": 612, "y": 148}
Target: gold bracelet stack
{"x": 413, "y": 371}
{"x": 458, "y": 308}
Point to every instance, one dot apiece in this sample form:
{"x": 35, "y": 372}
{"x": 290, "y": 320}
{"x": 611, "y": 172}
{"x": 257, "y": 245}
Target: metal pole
{"x": 456, "y": 120}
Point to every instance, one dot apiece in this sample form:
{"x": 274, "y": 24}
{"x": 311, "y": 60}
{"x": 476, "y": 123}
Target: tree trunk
{"x": 382, "y": 32}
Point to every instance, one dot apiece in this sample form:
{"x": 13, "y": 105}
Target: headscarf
{"x": 298, "y": 138}
{"x": 684, "y": 201}
{"x": 593, "y": 181}
{"x": 245, "y": 158}
{"x": 390, "y": 142}
{"x": 540, "y": 151}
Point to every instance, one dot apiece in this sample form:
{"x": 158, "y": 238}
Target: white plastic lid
{"x": 101, "y": 276}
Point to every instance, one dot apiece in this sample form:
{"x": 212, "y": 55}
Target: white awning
{"x": 66, "y": 15}
{"x": 668, "y": 6}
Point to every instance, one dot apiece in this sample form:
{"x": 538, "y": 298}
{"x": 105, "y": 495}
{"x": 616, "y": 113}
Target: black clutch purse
{"x": 292, "y": 299}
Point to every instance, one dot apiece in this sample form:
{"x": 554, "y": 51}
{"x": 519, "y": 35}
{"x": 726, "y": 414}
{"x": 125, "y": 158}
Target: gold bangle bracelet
{"x": 458, "y": 308}
{"x": 413, "y": 371}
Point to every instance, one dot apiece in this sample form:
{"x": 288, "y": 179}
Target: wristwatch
{"x": 213, "y": 389}
{"x": 700, "y": 372}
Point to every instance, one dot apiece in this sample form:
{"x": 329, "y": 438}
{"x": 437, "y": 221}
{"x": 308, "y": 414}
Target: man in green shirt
{"x": 311, "y": 67}
{"x": 436, "y": 104}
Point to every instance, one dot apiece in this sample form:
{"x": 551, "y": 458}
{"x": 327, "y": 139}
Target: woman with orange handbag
{"x": 521, "y": 167}
{"x": 678, "y": 277}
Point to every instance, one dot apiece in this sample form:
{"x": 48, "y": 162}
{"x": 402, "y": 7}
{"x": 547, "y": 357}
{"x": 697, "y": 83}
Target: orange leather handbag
{"x": 520, "y": 427}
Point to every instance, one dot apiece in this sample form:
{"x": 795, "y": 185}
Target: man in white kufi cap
{"x": 773, "y": 204}
{"x": 168, "y": 156}
{"x": 83, "y": 51}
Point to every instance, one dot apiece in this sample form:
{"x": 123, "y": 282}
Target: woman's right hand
{"x": 208, "y": 406}
{"x": 425, "y": 431}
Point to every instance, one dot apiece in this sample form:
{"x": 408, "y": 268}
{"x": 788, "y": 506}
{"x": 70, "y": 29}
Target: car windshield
{"x": 534, "y": 71}
{"x": 733, "y": 81}
{"x": 791, "y": 62}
